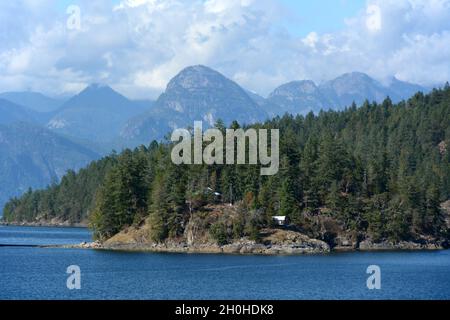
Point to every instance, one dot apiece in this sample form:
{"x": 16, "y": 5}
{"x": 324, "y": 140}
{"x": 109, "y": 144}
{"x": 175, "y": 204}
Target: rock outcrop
{"x": 273, "y": 242}
{"x": 368, "y": 245}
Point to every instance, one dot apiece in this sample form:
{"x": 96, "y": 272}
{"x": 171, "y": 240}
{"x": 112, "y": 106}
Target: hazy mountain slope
{"x": 401, "y": 89}
{"x": 31, "y": 156}
{"x": 144, "y": 103}
{"x": 96, "y": 114}
{"x": 290, "y": 96}
{"x": 11, "y": 112}
{"x": 270, "y": 108}
{"x": 33, "y": 100}
{"x": 353, "y": 87}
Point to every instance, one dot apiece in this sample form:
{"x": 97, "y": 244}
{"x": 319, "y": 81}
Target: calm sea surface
{"x": 40, "y": 273}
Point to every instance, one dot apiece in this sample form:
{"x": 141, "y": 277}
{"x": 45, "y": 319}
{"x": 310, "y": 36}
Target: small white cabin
{"x": 280, "y": 220}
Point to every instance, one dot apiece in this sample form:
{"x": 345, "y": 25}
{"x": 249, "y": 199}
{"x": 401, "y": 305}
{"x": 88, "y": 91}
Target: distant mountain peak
{"x": 96, "y": 114}
{"x": 98, "y": 87}
{"x": 294, "y": 87}
{"x": 197, "y": 71}
{"x": 100, "y": 93}
{"x": 197, "y": 77}
{"x": 354, "y": 76}
{"x": 199, "y": 68}
{"x": 394, "y": 80}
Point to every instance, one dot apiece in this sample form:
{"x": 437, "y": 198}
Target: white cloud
{"x": 311, "y": 39}
{"x": 373, "y": 20}
{"x": 138, "y": 45}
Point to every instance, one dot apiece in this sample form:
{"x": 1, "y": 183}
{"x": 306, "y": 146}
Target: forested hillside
{"x": 379, "y": 171}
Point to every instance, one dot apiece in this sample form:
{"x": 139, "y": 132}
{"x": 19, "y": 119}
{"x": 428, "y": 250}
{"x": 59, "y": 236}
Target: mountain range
{"x": 200, "y": 93}
{"x": 41, "y": 137}
{"x": 301, "y": 97}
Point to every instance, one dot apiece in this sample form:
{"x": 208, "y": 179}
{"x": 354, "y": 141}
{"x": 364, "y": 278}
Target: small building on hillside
{"x": 280, "y": 220}
{"x": 216, "y": 195}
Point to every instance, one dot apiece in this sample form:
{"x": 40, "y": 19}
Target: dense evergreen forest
{"x": 379, "y": 171}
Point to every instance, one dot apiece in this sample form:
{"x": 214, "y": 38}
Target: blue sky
{"x": 137, "y": 46}
{"x": 321, "y": 15}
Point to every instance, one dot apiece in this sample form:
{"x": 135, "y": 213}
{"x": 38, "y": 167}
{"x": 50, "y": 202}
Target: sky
{"x": 320, "y": 16}
{"x": 137, "y": 46}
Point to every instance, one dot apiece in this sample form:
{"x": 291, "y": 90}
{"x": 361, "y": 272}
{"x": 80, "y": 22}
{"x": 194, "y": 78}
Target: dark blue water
{"x": 37, "y": 273}
{"x": 43, "y": 235}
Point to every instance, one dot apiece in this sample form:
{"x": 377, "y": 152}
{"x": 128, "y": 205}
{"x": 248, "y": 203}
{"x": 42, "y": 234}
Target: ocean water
{"x": 40, "y": 273}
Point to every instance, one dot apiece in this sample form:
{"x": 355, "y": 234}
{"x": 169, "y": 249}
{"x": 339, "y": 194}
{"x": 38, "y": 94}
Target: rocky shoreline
{"x": 368, "y": 245}
{"x": 241, "y": 247}
{"x": 273, "y": 242}
{"x": 293, "y": 244}
{"x": 52, "y": 223}
{"x": 281, "y": 243}
{"x": 245, "y": 247}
